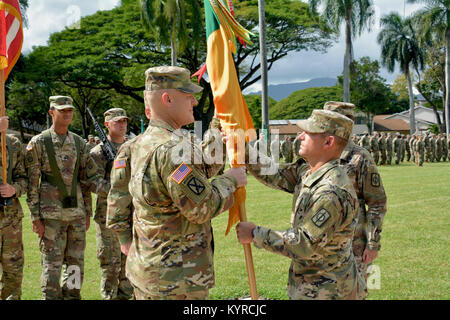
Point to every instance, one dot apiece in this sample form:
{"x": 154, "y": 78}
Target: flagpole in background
{"x": 264, "y": 82}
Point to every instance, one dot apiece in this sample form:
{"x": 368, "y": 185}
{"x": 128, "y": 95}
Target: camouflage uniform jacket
{"x": 90, "y": 146}
{"x": 374, "y": 147}
{"x": 381, "y": 143}
{"x": 397, "y": 145}
{"x": 44, "y": 199}
{"x": 323, "y": 221}
{"x": 363, "y": 173}
{"x": 119, "y": 202}
{"x": 174, "y": 202}
{"x": 365, "y": 142}
{"x": 286, "y": 148}
{"x": 18, "y": 177}
{"x": 389, "y": 145}
{"x": 103, "y": 181}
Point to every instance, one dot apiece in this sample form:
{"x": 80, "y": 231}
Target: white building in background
{"x": 424, "y": 117}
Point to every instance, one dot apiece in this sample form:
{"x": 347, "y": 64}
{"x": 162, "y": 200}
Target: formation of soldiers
{"x": 154, "y": 213}
{"x": 388, "y": 149}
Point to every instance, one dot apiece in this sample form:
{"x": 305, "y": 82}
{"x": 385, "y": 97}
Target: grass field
{"x": 413, "y": 262}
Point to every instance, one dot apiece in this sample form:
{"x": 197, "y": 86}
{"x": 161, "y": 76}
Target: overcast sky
{"x": 48, "y": 16}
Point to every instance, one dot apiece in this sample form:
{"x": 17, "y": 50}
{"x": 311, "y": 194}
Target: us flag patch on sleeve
{"x": 120, "y": 163}
{"x": 180, "y": 173}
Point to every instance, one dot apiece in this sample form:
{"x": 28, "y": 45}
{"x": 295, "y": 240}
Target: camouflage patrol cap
{"x": 61, "y": 102}
{"x": 331, "y": 122}
{"x": 172, "y": 77}
{"x": 115, "y": 114}
{"x": 344, "y": 108}
{"x": 90, "y": 136}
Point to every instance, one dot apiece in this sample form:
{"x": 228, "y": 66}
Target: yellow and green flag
{"x": 222, "y": 30}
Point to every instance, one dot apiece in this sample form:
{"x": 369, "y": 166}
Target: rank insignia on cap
{"x": 120, "y": 163}
{"x": 321, "y": 217}
{"x": 29, "y": 146}
{"x": 180, "y": 173}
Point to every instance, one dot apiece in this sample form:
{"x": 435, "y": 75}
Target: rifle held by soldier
{"x": 108, "y": 150}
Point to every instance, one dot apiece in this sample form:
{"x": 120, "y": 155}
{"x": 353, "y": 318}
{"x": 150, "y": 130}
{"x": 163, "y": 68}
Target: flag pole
{"x": 264, "y": 81}
{"x": 2, "y": 113}
{"x": 248, "y": 257}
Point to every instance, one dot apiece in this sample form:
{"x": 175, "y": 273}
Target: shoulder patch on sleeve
{"x": 375, "y": 180}
{"x": 321, "y": 217}
{"x": 120, "y": 163}
{"x": 180, "y": 173}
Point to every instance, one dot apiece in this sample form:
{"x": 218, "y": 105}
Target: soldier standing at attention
{"x": 114, "y": 284}
{"x": 11, "y": 214}
{"x": 366, "y": 180}
{"x": 444, "y": 147}
{"x": 420, "y": 147}
{"x": 389, "y": 149}
{"x": 60, "y": 171}
{"x": 286, "y": 149}
{"x": 319, "y": 242}
{"x": 171, "y": 255}
{"x": 374, "y": 148}
{"x": 382, "y": 147}
{"x": 412, "y": 148}
{"x": 408, "y": 148}
{"x": 397, "y": 148}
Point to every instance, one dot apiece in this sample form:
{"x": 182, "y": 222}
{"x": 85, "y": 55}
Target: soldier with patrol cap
{"x": 171, "y": 255}
{"x": 11, "y": 214}
{"x": 60, "y": 171}
{"x": 114, "y": 285}
{"x": 366, "y": 180}
{"x": 319, "y": 242}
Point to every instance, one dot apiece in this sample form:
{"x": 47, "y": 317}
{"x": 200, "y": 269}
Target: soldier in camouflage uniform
{"x": 114, "y": 284}
{"x": 11, "y": 214}
{"x": 420, "y": 153}
{"x": 412, "y": 148}
{"x": 171, "y": 255}
{"x": 438, "y": 148}
{"x": 365, "y": 141}
{"x": 444, "y": 147}
{"x": 60, "y": 171}
{"x": 374, "y": 148}
{"x": 286, "y": 149}
{"x": 91, "y": 142}
{"x": 397, "y": 148}
{"x": 382, "y": 146}
{"x": 448, "y": 146}
{"x": 366, "y": 180}
{"x": 428, "y": 147}
{"x": 389, "y": 149}
{"x": 408, "y": 148}
{"x": 319, "y": 242}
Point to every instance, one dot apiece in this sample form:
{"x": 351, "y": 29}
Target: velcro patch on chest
{"x": 120, "y": 163}
{"x": 375, "y": 180}
{"x": 321, "y": 217}
{"x": 180, "y": 173}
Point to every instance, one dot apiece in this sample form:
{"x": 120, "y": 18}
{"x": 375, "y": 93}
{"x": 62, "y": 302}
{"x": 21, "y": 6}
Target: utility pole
{"x": 264, "y": 82}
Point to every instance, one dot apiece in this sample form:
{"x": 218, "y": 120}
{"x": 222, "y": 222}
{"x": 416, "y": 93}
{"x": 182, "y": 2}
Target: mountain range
{"x": 281, "y": 91}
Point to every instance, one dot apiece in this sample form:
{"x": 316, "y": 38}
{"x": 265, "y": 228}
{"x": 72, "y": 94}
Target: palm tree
{"x": 357, "y": 15}
{"x": 399, "y": 44}
{"x": 435, "y": 18}
{"x": 166, "y": 18}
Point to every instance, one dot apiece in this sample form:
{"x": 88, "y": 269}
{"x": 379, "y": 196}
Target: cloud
{"x": 48, "y": 16}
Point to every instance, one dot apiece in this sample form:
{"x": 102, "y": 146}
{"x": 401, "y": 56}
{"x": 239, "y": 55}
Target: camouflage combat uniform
{"x": 374, "y": 148}
{"x": 114, "y": 284}
{"x": 319, "y": 242}
{"x": 444, "y": 148}
{"x": 420, "y": 153}
{"x": 363, "y": 173}
{"x": 382, "y": 146}
{"x": 365, "y": 142}
{"x": 64, "y": 238}
{"x": 412, "y": 148}
{"x": 397, "y": 148}
{"x": 407, "y": 148}
{"x": 11, "y": 246}
{"x": 171, "y": 255}
{"x": 438, "y": 149}
{"x": 286, "y": 150}
{"x": 389, "y": 149}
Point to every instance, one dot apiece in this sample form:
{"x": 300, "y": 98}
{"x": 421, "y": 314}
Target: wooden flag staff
{"x": 2, "y": 113}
